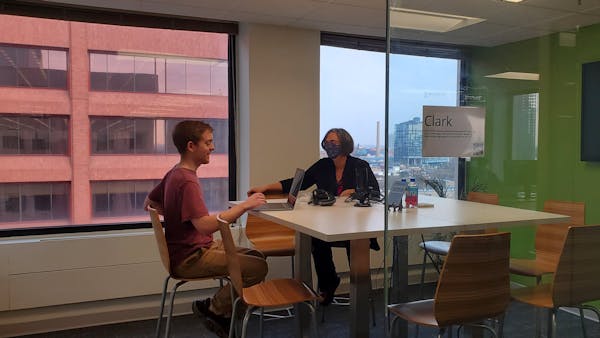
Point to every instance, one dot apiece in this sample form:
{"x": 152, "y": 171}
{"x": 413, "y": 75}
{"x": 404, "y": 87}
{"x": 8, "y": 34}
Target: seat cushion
{"x": 278, "y": 292}
{"x": 529, "y": 267}
{"x": 436, "y": 247}
{"x": 419, "y": 312}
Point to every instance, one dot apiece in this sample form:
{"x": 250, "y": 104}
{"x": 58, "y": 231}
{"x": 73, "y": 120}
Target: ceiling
{"x": 504, "y": 22}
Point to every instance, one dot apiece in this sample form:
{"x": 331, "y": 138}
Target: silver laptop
{"x": 293, "y": 194}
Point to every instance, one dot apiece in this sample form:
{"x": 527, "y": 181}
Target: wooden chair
{"x": 270, "y": 238}
{"x": 575, "y": 279}
{"x": 474, "y": 285}
{"x": 549, "y": 239}
{"x": 268, "y": 294}
{"x": 441, "y": 248}
{"x": 161, "y": 243}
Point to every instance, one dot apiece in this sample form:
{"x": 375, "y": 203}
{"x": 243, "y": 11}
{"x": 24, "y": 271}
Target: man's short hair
{"x": 189, "y": 130}
{"x": 346, "y": 141}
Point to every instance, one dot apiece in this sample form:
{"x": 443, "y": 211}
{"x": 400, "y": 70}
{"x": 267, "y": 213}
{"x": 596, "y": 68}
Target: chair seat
{"x": 419, "y": 312}
{"x": 275, "y": 245}
{"x": 530, "y": 267}
{"x": 539, "y": 296}
{"x": 278, "y": 292}
{"x": 436, "y": 247}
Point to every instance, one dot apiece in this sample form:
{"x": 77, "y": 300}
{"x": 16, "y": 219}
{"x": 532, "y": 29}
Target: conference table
{"x": 343, "y": 221}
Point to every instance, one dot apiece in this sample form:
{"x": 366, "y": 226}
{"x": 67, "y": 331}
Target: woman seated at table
{"x": 337, "y": 175}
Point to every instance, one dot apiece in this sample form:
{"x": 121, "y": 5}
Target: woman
{"x": 336, "y": 174}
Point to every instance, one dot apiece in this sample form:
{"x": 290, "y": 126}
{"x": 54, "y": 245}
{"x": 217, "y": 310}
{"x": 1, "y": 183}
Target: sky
{"x": 353, "y": 89}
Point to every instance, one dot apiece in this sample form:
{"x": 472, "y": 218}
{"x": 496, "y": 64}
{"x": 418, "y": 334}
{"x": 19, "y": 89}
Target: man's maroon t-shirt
{"x": 181, "y": 196}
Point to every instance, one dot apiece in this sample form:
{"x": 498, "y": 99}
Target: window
{"x": 149, "y": 74}
{"x": 30, "y": 134}
{"x": 34, "y": 201}
{"x": 96, "y": 128}
{"x": 353, "y": 97}
{"x": 120, "y": 198}
{"x": 115, "y": 135}
{"x": 33, "y": 67}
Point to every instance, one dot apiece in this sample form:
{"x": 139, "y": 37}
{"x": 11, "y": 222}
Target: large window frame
{"x": 135, "y": 19}
{"x": 415, "y": 48}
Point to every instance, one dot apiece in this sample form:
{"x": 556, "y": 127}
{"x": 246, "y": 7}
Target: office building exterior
{"x": 86, "y": 112}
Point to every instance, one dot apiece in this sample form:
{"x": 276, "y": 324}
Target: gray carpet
{"x": 520, "y": 323}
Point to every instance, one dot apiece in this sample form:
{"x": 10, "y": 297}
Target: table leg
{"x": 360, "y": 287}
{"x": 303, "y": 271}
{"x": 399, "y": 292}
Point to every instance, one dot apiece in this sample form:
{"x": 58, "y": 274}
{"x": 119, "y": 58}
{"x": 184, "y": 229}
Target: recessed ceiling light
{"x": 516, "y": 76}
{"x": 429, "y": 21}
{"x": 512, "y": 0}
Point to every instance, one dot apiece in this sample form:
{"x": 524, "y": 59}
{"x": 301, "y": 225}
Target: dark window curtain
{"x": 232, "y": 76}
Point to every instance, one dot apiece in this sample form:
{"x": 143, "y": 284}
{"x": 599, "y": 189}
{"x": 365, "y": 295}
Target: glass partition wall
{"x": 533, "y": 66}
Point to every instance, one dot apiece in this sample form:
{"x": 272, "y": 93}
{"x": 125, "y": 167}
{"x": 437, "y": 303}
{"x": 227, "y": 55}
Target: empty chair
{"x": 272, "y": 240}
{"x": 268, "y": 294}
{"x": 549, "y": 239}
{"x": 440, "y": 248}
{"x": 575, "y": 279}
{"x": 474, "y": 285}
{"x": 161, "y": 242}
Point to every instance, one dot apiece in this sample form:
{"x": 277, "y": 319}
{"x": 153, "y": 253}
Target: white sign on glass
{"x": 453, "y": 131}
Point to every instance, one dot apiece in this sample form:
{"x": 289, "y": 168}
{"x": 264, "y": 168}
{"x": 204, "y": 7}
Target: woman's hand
{"x": 255, "y": 190}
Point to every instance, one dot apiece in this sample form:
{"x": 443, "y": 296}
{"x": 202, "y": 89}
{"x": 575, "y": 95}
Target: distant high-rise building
{"x": 408, "y": 142}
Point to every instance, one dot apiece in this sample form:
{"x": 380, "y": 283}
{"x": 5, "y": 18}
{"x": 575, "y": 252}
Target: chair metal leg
{"x": 232, "y": 326}
{"x": 162, "y": 306}
{"x": 245, "y": 320}
{"x": 262, "y": 320}
{"x": 313, "y": 315}
{"x": 538, "y": 322}
{"x": 551, "y": 323}
{"x": 582, "y": 320}
{"x": 501, "y": 326}
{"x": 423, "y": 265}
{"x": 173, "y": 292}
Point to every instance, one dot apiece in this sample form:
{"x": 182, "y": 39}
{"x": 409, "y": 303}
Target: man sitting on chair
{"x": 189, "y": 227}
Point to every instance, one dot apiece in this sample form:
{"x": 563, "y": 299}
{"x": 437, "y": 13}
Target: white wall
{"x": 278, "y": 109}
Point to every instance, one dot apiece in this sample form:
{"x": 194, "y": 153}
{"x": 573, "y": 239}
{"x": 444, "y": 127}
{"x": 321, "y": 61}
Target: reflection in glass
{"x": 34, "y": 201}
{"x": 219, "y": 79}
{"x": 176, "y": 76}
{"x": 22, "y": 134}
{"x": 198, "y": 77}
{"x": 120, "y": 73}
{"x": 120, "y": 198}
{"x": 33, "y": 67}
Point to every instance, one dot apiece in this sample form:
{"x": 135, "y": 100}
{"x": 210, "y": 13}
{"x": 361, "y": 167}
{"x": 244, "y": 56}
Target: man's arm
{"x": 209, "y": 224}
{"x": 154, "y": 205}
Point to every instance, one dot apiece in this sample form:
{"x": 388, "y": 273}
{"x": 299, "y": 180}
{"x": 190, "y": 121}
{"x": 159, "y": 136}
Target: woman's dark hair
{"x": 346, "y": 140}
{"x": 186, "y": 131}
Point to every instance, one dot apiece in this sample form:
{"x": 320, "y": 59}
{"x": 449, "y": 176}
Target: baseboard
{"x": 63, "y": 317}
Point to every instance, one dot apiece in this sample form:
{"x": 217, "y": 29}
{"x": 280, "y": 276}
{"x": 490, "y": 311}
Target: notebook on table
{"x": 292, "y": 195}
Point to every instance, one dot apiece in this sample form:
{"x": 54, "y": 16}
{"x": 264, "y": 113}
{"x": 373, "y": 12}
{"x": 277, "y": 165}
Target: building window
{"x": 120, "y": 198}
{"x": 126, "y": 198}
{"x": 33, "y": 67}
{"x": 34, "y": 201}
{"x": 150, "y": 74}
{"x": 30, "y": 134}
{"x": 117, "y": 135}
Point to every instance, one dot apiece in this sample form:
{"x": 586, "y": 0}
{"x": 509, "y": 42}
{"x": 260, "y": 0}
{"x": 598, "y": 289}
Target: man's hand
{"x": 154, "y": 205}
{"x": 255, "y": 200}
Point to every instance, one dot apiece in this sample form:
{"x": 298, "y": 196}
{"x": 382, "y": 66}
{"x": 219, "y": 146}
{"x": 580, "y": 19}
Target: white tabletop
{"x": 344, "y": 221}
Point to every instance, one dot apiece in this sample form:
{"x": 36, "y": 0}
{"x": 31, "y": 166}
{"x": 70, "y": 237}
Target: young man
{"x": 189, "y": 228}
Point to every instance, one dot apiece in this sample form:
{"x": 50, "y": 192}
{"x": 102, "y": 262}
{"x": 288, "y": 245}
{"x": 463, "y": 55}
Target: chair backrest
{"x": 474, "y": 283}
{"x": 233, "y": 261}
{"x": 550, "y": 238}
{"x": 161, "y": 241}
{"x": 578, "y": 271}
{"x": 483, "y": 197}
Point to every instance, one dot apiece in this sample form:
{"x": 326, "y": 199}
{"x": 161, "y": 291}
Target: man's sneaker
{"x": 219, "y": 325}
